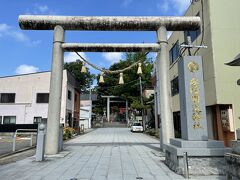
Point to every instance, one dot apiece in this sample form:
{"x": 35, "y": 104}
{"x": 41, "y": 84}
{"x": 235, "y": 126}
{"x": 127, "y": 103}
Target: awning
{"x": 235, "y": 62}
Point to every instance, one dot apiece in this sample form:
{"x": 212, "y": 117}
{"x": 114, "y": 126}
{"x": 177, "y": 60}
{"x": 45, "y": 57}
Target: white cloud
{"x": 72, "y": 57}
{"x": 180, "y": 5}
{"x": 152, "y": 55}
{"x": 164, "y": 6}
{"x": 26, "y": 69}
{"x": 4, "y": 27}
{"x": 43, "y": 9}
{"x": 8, "y": 31}
{"x": 35, "y": 43}
{"x": 18, "y": 36}
{"x": 176, "y": 6}
{"x": 21, "y": 37}
{"x": 126, "y": 2}
{"x": 113, "y": 57}
{"x": 40, "y": 9}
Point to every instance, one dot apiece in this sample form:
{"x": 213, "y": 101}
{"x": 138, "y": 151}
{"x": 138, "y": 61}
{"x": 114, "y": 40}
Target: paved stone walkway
{"x": 106, "y": 153}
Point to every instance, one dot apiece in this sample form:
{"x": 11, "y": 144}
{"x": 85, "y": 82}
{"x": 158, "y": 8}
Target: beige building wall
{"x": 208, "y": 65}
{"x": 221, "y": 35}
{"x": 225, "y": 22}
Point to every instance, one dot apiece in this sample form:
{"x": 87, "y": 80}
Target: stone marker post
{"x": 201, "y": 151}
{"x": 192, "y": 99}
{"x": 40, "y": 142}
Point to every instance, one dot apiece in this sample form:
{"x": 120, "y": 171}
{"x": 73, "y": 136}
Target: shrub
{"x": 150, "y": 131}
{"x": 68, "y": 133}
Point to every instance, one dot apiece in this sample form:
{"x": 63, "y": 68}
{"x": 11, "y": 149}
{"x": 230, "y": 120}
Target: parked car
{"x": 136, "y": 127}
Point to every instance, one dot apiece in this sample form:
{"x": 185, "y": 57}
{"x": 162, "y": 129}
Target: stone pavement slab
{"x": 103, "y": 154}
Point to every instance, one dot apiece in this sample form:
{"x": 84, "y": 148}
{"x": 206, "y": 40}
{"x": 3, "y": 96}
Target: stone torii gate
{"x": 108, "y": 106}
{"x": 61, "y": 23}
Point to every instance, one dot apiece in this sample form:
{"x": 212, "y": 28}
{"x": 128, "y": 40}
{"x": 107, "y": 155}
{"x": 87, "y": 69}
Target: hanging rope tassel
{"x": 121, "y": 79}
{"x": 139, "y": 71}
{"x": 101, "y": 80}
{"x": 84, "y": 69}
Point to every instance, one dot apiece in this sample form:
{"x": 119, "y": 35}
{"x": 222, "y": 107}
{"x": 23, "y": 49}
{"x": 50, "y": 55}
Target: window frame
{"x": 37, "y": 118}
{"x": 174, "y": 90}
{"x": 75, "y": 97}
{"x": 12, "y": 99}
{"x": 44, "y": 100}
{"x": 9, "y": 119}
{"x": 177, "y": 123}
{"x": 69, "y": 95}
{"x": 172, "y": 59}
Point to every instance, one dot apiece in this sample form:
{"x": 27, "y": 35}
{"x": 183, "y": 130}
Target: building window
{"x": 75, "y": 97}
{"x": 9, "y": 120}
{"x": 192, "y": 34}
{"x": 42, "y": 97}
{"x": 174, "y": 86}
{"x": 7, "y": 98}
{"x": 177, "y": 124}
{"x": 69, "y": 119}
{"x": 37, "y": 120}
{"x": 69, "y": 95}
{"x": 174, "y": 52}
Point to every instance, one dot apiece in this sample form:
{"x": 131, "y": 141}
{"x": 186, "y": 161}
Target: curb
{"x": 154, "y": 137}
{"x": 79, "y": 135}
{"x": 16, "y": 152}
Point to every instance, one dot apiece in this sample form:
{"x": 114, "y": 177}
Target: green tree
{"x": 85, "y": 80}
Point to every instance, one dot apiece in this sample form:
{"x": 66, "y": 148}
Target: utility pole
{"x": 90, "y": 109}
{"x": 141, "y": 98}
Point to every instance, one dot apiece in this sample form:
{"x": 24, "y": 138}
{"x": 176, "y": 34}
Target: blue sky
{"x": 25, "y": 51}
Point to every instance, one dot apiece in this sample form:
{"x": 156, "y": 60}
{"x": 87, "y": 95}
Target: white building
{"x": 85, "y": 116}
{"x": 24, "y": 99}
{"x": 86, "y": 104}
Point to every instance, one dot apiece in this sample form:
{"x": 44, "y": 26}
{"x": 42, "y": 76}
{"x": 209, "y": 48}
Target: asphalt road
{"x": 6, "y": 144}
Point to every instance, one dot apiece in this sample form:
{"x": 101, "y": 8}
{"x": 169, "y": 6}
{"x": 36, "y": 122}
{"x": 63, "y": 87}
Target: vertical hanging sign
{"x": 192, "y": 99}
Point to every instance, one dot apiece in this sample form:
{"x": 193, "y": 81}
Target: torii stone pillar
{"x": 127, "y": 119}
{"x": 54, "y": 106}
{"x": 167, "y": 128}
